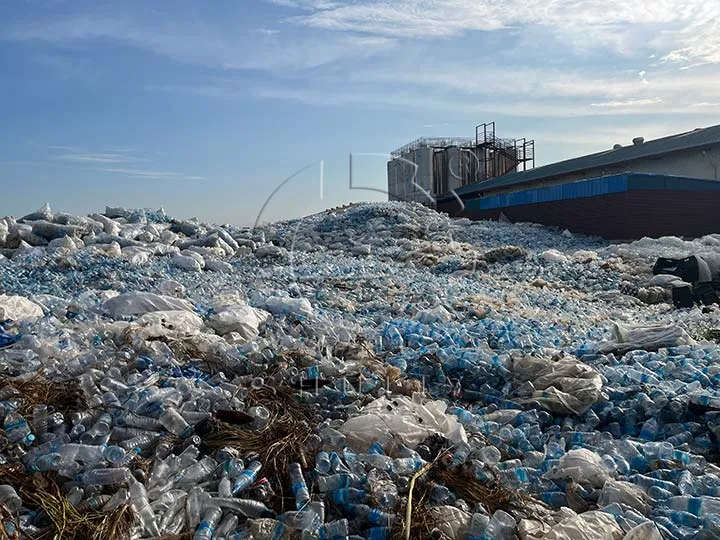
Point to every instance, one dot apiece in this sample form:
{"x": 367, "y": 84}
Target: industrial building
{"x": 667, "y": 186}
{"x": 428, "y": 167}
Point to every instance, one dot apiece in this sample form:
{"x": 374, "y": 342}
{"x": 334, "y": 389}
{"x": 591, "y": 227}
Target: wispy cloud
{"x": 686, "y": 31}
{"x": 628, "y": 103}
{"x": 99, "y": 161}
{"x": 93, "y": 158}
{"x": 156, "y": 175}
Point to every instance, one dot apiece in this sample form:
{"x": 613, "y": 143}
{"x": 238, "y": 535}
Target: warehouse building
{"x": 667, "y": 186}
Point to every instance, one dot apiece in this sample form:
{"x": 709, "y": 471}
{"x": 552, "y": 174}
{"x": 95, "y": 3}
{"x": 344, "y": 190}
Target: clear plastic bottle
{"x": 227, "y": 525}
{"x": 9, "y": 498}
{"x": 299, "y": 487}
{"x": 173, "y": 421}
{"x": 374, "y": 516}
{"x": 407, "y": 465}
{"x": 105, "y": 477}
{"x": 194, "y": 504}
{"x": 349, "y": 496}
{"x": 210, "y": 520}
{"x": 337, "y": 481}
{"x": 225, "y": 487}
{"x": 335, "y": 530}
{"x": 17, "y": 429}
{"x": 143, "y": 510}
{"x": 246, "y": 507}
{"x": 300, "y": 519}
{"x": 114, "y": 454}
{"x": 247, "y": 477}
{"x": 501, "y": 526}
{"x": 478, "y": 525}
{"x": 322, "y": 462}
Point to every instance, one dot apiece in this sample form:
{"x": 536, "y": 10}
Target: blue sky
{"x": 206, "y": 107}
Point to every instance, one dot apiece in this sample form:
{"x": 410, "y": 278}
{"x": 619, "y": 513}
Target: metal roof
{"x": 673, "y": 143}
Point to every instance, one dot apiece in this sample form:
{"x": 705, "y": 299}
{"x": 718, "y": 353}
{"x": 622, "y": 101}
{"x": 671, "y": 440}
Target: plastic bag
{"x": 139, "y": 303}
{"x": 581, "y": 465}
{"x": 451, "y": 521}
{"x": 644, "y": 531}
{"x": 648, "y": 338}
{"x": 563, "y": 386}
{"x": 279, "y": 305}
{"x": 408, "y": 419}
{"x": 186, "y": 262}
{"x": 592, "y": 525}
{"x": 239, "y": 318}
{"x": 625, "y": 493}
{"x": 553, "y": 255}
{"x": 169, "y": 325}
{"x": 18, "y": 308}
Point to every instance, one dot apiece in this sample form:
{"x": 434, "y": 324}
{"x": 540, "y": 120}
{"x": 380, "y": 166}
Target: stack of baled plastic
{"x": 443, "y": 379}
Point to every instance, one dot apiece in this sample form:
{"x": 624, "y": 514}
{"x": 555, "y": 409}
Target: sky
{"x": 207, "y": 108}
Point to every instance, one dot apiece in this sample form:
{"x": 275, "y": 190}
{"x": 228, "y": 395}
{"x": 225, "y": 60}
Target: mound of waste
{"x": 375, "y": 371}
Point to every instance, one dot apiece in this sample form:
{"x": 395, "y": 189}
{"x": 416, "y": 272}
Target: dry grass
{"x": 66, "y": 397}
{"x": 64, "y": 521}
{"x": 281, "y": 442}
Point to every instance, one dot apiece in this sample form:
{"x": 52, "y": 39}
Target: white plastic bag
{"x": 554, "y": 256}
{"x": 279, "y": 305}
{"x": 592, "y": 525}
{"x": 239, "y": 318}
{"x": 563, "y": 386}
{"x": 410, "y": 420}
{"x": 139, "y": 303}
{"x": 644, "y": 531}
{"x": 18, "y": 308}
{"x": 169, "y": 325}
{"x": 186, "y": 263}
{"x": 649, "y": 338}
{"x": 615, "y": 491}
{"x": 581, "y": 465}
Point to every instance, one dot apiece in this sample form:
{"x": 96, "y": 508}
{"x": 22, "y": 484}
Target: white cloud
{"x": 156, "y": 175}
{"x": 680, "y": 30}
{"x": 628, "y": 103}
{"x": 100, "y": 161}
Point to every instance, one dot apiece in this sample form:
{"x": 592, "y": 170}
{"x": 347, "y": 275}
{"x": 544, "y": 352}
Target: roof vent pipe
{"x": 616, "y": 146}
{"x": 637, "y": 141}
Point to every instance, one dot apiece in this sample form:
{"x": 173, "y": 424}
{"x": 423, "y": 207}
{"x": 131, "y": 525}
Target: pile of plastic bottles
{"x": 418, "y": 347}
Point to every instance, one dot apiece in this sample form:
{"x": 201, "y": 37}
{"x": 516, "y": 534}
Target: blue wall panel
{"x": 574, "y": 190}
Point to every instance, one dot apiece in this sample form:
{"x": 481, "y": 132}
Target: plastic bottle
{"x": 337, "y": 481}
{"x": 196, "y": 498}
{"x": 335, "y": 530}
{"x": 173, "y": 421}
{"x": 300, "y": 519}
{"x": 9, "y": 498}
{"x": 142, "y": 507}
{"x": 501, "y": 526}
{"x": 227, "y": 525}
{"x": 349, "y": 496}
{"x": 299, "y": 487}
{"x": 104, "y": 477}
{"x": 247, "y": 477}
{"x": 245, "y": 507}
{"x": 210, "y": 520}
{"x": 407, "y": 465}
{"x": 374, "y": 516}
{"x": 114, "y": 454}
{"x": 478, "y": 525}
{"x": 322, "y": 462}
{"x": 490, "y": 455}
{"x": 17, "y": 429}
